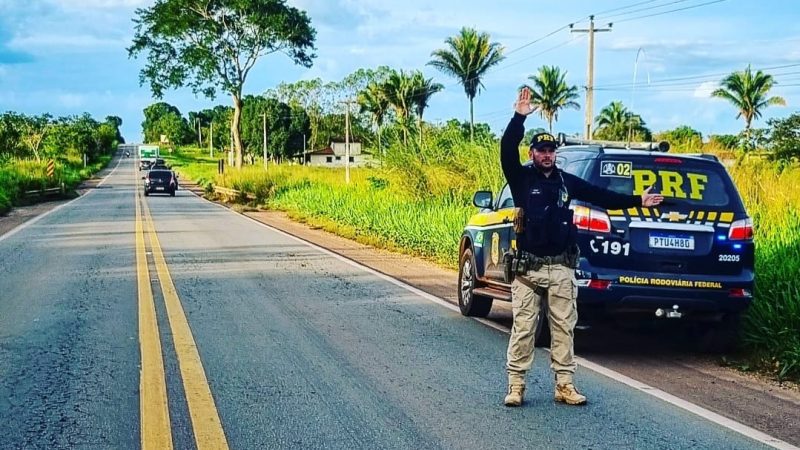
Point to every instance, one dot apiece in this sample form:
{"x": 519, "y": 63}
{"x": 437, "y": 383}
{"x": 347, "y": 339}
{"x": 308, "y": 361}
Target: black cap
{"x": 542, "y": 140}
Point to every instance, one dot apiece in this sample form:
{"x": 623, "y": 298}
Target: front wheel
{"x": 470, "y": 303}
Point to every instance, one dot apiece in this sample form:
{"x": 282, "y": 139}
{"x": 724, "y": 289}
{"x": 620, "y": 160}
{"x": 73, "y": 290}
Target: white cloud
{"x": 705, "y": 89}
{"x": 78, "y": 41}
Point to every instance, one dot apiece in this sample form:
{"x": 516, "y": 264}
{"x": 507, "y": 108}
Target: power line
{"x": 697, "y": 78}
{"x": 624, "y": 7}
{"x": 670, "y": 11}
{"x": 557, "y": 46}
{"x": 603, "y": 18}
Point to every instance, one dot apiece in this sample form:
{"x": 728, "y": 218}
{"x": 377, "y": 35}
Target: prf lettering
{"x": 673, "y": 184}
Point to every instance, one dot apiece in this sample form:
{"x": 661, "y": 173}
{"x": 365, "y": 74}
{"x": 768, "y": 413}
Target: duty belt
{"x": 545, "y": 260}
{"x": 519, "y": 262}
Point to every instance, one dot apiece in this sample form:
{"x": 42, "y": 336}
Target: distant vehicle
{"x": 159, "y": 164}
{"x": 691, "y": 257}
{"x": 148, "y": 154}
{"x": 159, "y": 181}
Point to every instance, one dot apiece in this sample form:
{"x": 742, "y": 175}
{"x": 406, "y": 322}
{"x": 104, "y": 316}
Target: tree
{"x": 116, "y": 122}
{"x": 550, "y": 93}
{"x": 684, "y": 137}
{"x": 152, "y": 116}
{"x": 785, "y": 137}
{"x": 282, "y": 129}
{"x": 34, "y": 131}
{"x": 11, "y": 125}
{"x": 372, "y": 101}
{"x": 468, "y": 57}
{"x": 422, "y": 90}
{"x": 210, "y": 45}
{"x": 747, "y": 91}
{"x": 399, "y": 92}
{"x": 616, "y": 123}
{"x": 310, "y": 95}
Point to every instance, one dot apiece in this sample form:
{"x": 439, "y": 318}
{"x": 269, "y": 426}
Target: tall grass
{"x": 419, "y": 202}
{"x": 772, "y": 324}
{"x": 20, "y": 175}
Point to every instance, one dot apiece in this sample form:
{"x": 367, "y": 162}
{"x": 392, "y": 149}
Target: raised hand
{"x": 523, "y": 103}
{"x": 649, "y": 199}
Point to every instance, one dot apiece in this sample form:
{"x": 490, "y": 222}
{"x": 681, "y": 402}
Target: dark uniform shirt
{"x": 529, "y": 186}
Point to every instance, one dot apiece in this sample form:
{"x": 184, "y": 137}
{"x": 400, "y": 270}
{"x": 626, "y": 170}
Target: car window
{"x": 578, "y": 167}
{"x": 162, "y": 175}
{"x": 679, "y": 180}
{"x": 505, "y": 200}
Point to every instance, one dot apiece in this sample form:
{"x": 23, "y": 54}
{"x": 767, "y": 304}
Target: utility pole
{"x": 347, "y": 104}
{"x": 199, "y": 134}
{"x": 589, "y": 118}
{"x": 264, "y": 116}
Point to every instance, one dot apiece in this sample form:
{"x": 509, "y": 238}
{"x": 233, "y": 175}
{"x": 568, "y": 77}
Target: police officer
{"x": 547, "y": 252}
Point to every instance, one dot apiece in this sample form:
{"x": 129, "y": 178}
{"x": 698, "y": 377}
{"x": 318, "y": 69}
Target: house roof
{"x": 325, "y": 151}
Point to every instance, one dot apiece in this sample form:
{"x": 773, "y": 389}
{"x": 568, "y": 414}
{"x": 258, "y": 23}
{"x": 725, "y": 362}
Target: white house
{"x": 335, "y": 155}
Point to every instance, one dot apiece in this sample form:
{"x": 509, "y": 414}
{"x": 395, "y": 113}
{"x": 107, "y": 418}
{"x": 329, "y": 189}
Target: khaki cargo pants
{"x": 562, "y": 315}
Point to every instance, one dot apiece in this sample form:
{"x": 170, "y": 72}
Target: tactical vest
{"x": 547, "y": 224}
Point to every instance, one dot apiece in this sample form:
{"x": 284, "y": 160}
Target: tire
{"x": 722, "y": 337}
{"x": 470, "y": 304}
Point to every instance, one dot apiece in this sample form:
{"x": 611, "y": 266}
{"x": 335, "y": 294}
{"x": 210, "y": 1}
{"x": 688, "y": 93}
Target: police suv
{"x": 690, "y": 258}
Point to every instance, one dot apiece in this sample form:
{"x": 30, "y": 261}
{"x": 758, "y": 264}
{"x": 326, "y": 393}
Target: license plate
{"x": 159, "y": 188}
{"x": 672, "y": 242}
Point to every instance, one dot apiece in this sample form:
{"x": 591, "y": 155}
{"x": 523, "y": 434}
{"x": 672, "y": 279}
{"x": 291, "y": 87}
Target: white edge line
{"x": 614, "y": 375}
{"x": 30, "y": 222}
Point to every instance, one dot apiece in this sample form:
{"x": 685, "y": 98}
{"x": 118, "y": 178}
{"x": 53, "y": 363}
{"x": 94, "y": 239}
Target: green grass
{"x": 419, "y": 203}
{"x": 20, "y": 175}
{"x": 772, "y": 324}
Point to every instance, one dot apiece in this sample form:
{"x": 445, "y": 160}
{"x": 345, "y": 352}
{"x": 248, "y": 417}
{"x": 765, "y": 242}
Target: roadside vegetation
{"x": 27, "y": 143}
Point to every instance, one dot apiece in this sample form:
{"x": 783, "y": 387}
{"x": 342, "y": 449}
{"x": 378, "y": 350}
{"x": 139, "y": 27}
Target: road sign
{"x": 51, "y": 168}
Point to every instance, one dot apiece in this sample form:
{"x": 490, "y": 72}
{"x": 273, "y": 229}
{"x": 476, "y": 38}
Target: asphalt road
{"x": 283, "y": 345}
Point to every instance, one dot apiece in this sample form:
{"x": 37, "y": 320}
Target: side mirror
{"x": 483, "y": 199}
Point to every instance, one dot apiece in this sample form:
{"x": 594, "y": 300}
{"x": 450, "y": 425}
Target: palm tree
{"x": 423, "y": 89}
{"x": 747, "y": 91}
{"x": 373, "y": 101}
{"x": 616, "y": 123}
{"x": 550, "y": 93}
{"x": 399, "y": 91}
{"x": 469, "y": 56}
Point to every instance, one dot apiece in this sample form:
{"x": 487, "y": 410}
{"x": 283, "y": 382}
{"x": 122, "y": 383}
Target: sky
{"x": 67, "y": 57}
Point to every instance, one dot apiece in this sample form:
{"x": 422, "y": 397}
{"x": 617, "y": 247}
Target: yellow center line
{"x": 153, "y": 409}
{"x": 208, "y": 432}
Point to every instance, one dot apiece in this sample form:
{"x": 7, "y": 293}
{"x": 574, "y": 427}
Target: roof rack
{"x": 662, "y": 146}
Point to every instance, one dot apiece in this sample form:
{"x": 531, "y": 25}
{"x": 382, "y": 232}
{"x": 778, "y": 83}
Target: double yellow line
{"x": 156, "y": 430}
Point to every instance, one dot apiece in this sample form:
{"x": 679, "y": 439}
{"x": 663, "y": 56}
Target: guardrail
{"x": 233, "y": 193}
{"x": 46, "y": 192}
